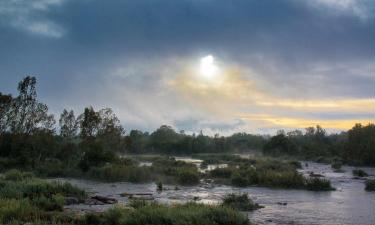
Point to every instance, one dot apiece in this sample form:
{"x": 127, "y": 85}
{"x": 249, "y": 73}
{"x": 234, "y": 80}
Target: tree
{"x": 26, "y": 114}
{"x": 89, "y": 123}
{"x": 68, "y": 124}
{"x": 5, "y": 104}
{"x": 280, "y": 145}
{"x": 110, "y": 131}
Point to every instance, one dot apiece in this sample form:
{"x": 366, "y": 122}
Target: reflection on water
{"x": 349, "y": 205}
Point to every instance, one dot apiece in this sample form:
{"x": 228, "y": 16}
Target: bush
{"x": 318, "y": 184}
{"x": 221, "y": 172}
{"x": 188, "y": 177}
{"x": 240, "y": 202}
{"x": 370, "y": 185}
{"x": 336, "y": 165}
{"x": 238, "y": 180}
{"x": 359, "y": 173}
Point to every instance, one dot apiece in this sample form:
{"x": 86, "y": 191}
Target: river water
{"x": 350, "y": 204}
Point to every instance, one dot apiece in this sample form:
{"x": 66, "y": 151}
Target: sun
{"x": 208, "y": 68}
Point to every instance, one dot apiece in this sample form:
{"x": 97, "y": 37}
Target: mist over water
{"x": 350, "y": 204}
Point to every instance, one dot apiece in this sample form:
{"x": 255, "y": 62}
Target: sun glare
{"x": 208, "y": 67}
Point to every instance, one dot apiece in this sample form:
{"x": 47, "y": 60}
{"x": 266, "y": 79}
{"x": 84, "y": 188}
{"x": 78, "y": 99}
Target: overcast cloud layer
{"x": 285, "y": 63}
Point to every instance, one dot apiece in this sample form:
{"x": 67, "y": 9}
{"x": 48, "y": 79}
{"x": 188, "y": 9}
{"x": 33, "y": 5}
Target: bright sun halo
{"x": 208, "y": 67}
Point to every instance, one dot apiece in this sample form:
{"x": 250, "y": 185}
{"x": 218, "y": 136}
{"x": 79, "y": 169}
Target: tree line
{"x": 355, "y": 147}
{"x": 31, "y": 136}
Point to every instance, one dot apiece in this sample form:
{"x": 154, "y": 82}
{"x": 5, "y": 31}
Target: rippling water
{"x": 349, "y": 205}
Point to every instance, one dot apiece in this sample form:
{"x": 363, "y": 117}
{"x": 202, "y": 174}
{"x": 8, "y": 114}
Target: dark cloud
{"x": 309, "y": 49}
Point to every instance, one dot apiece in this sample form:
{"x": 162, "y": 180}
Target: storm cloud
{"x": 133, "y": 56}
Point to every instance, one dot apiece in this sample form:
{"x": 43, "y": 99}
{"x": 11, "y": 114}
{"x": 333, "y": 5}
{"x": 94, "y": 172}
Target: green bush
{"x": 370, "y": 185}
{"x": 336, "y": 165}
{"x": 188, "y": 177}
{"x": 318, "y": 184}
{"x": 240, "y": 202}
{"x": 238, "y": 180}
{"x": 221, "y": 172}
{"x": 359, "y": 173}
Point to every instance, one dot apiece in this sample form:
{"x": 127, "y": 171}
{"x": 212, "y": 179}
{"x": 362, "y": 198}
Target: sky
{"x": 214, "y": 65}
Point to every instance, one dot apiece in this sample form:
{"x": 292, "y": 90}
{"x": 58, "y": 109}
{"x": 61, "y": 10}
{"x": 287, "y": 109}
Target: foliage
{"x": 240, "y": 202}
{"x": 359, "y": 173}
{"x": 25, "y": 198}
{"x": 370, "y": 185}
{"x": 190, "y": 213}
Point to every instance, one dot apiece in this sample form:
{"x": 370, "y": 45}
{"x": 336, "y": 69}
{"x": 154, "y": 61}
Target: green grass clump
{"x": 359, "y": 173}
{"x": 21, "y": 210}
{"x": 240, "y": 202}
{"x": 370, "y": 185}
{"x": 16, "y": 175}
{"x": 190, "y": 213}
{"x": 19, "y": 188}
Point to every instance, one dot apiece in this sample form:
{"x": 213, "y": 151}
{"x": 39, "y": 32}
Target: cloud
{"x": 30, "y": 16}
{"x": 358, "y": 8}
{"x": 289, "y": 59}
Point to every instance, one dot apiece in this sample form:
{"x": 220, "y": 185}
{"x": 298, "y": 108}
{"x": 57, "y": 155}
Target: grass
{"x": 267, "y": 172}
{"x": 240, "y": 202}
{"x": 189, "y": 213}
{"x": 164, "y": 169}
{"x": 24, "y": 197}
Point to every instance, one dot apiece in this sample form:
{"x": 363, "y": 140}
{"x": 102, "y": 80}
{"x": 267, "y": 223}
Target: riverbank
{"x": 350, "y": 204}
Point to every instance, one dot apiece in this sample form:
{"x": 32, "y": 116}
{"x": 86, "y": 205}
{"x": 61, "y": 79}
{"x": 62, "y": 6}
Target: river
{"x": 350, "y": 204}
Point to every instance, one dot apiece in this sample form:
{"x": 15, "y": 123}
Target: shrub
{"x": 240, "y": 202}
{"x": 221, "y": 172}
{"x": 359, "y": 173}
{"x": 318, "y": 184}
{"x": 336, "y": 165}
{"x": 238, "y": 180}
{"x": 370, "y": 185}
{"x": 188, "y": 177}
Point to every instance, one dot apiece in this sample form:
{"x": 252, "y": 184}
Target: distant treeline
{"x": 30, "y": 135}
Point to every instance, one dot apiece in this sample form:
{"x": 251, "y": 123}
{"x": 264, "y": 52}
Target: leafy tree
{"x": 360, "y": 146}
{"x": 5, "y": 104}
{"x": 26, "y": 114}
{"x": 89, "y": 123}
{"x": 110, "y": 131}
{"x": 280, "y": 145}
{"x": 68, "y": 124}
